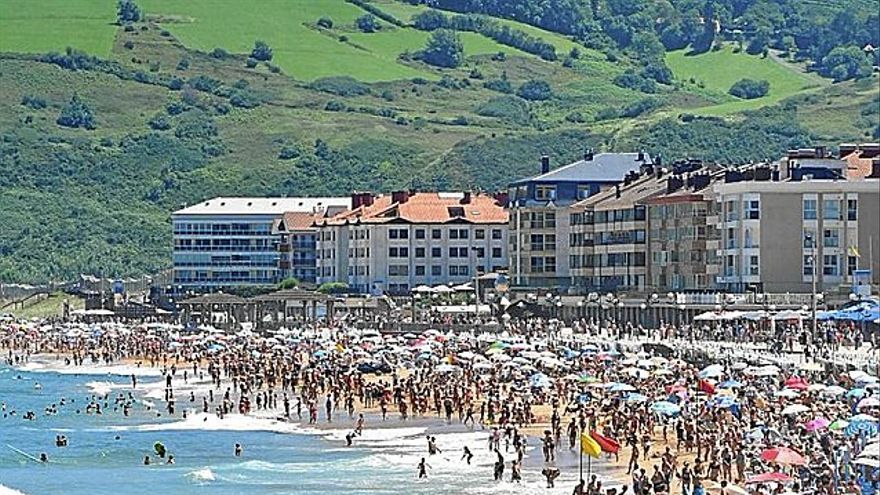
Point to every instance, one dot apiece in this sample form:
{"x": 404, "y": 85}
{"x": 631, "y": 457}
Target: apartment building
{"x": 389, "y": 244}
{"x": 683, "y": 240}
{"x": 297, "y": 242}
{"x": 540, "y": 218}
{"x": 608, "y": 236}
{"x": 234, "y": 241}
{"x": 777, "y": 233}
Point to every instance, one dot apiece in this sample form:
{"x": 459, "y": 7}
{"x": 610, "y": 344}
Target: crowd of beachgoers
{"x": 733, "y": 407}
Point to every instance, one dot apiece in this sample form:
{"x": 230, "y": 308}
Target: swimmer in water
{"x": 238, "y": 450}
{"x": 170, "y": 459}
{"x": 146, "y": 460}
{"x": 423, "y": 471}
{"x": 44, "y": 457}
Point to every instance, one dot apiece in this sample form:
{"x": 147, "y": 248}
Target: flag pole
{"x": 581, "y": 452}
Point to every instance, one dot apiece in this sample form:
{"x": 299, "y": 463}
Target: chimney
{"x": 399, "y": 197}
{"x": 820, "y": 152}
{"x": 545, "y": 164}
{"x": 658, "y": 160}
{"x": 701, "y": 181}
{"x": 762, "y": 173}
{"x": 588, "y": 155}
{"x": 502, "y": 198}
{"x": 359, "y": 199}
{"x": 466, "y": 198}
{"x": 673, "y": 184}
{"x": 641, "y": 156}
{"x": 875, "y": 170}
{"x": 617, "y": 191}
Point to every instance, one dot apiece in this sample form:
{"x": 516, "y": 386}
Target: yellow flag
{"x": 590, "y": 446}
{"x": 340, "y": 347}
{"x": 854, "y": 251}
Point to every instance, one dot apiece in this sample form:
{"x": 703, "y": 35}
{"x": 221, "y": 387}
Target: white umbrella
{"x": 867, "y": 461}
{"x": 811, "y": 366}
{"x": 423, "y": 289}
{"x": 795, "y": 409}
{"x": 834, "y": 390}
{"x": 443, "y": 289}
{"x": 707, "y": 316}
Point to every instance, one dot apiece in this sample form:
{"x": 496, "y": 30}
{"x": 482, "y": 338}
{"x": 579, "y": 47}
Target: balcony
{"x": 284, "y": 248}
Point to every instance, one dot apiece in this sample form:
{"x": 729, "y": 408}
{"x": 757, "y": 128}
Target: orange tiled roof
{"x": 300, "y": 220}
{"x": 426, "y": 207}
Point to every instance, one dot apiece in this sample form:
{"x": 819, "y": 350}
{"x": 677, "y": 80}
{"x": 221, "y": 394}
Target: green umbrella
{"x": 838, "y": 425}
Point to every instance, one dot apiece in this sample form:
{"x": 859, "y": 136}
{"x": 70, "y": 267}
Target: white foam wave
{"x": 5, "y": 490}
{"x": 202, "y": 475}
{"x": 101, "y": 388}
{"x": 210, "y": 422}
{"x": 113, "y": 369}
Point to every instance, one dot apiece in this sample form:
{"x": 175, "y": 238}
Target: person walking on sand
{"x": 467, "y": 455}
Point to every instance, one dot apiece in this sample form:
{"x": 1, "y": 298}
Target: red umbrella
{"x": 768, "y": 477}
{"x": 783, "y": 455}
{"x": 796, "y": 383}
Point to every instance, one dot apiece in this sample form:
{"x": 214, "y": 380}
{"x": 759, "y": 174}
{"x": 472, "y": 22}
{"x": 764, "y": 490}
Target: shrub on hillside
{"x": 535, "y": 90}
{"x": 639, "y": 107}
{"x": 159, "y": 122}
{"x": 444, "y": 49}
{"x": 204, "y": 83}
{"x": 251, "y": 62}
{"x": 127, "y": 11}
{"x": 501, "y": 85}
{"x": 748, "y": 89}
{"x": 261, "y": 51}
{"x": 367, "y": 23}
{"x": 243, "y": 98}
{"x": 506, "y": 108}
{"x": 340, "y": 85}
{"x": 325, "y": 22}
{"x": 76, "y": 114}
{"x": 637, "y": 82}
{"x": 33, "y": 102}
{"x": 195, "y": 125}
{"x": 219, "y": 53}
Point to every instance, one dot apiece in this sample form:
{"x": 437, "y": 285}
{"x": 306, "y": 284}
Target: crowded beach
{"x": 724, "y": 405}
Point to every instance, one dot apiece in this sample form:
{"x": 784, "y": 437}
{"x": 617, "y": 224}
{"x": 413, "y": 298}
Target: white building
{"x": 226, "y": 242}
{"x": 393, "y": 243}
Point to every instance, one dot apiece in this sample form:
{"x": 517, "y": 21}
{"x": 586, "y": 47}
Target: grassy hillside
{"x": 174, "y": 125}
{"x": 717, "y": 71}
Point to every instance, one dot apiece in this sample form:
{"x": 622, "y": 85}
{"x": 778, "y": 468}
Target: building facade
{"x": 297, "y": 244}
{"x": 540, "y": 218}
{"x": 229, "y": 242}
{"x": 389, "y": 244}
{"x": 776, "y": 235}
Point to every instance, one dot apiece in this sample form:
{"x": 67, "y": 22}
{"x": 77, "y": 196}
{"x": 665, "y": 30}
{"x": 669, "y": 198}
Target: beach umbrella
{"x": 811, "y": 366}
{"x": 868, "y": 461}
{"x": 466, "y": 355}
{"x": 446, "y": 368}
{"x": 483, "y": 366}
{"x": 758, "y": 434}
{"x": 817, "y": 424}
{"x": 834, "y": 390}
{"x": 621, "y": 387}
{"x": 783, "y": 455}
{"x": 838, "y": 424}
{"x": 723, "y": 402}
{"x": 817, "y": 387}
{"x": 795, "y": 409}
{"x": 730, "y": 384}
{"x": 856, "y": 392}
{"x": 769, "y": 478}
{"x": 586, "y": 378}
{"x": 787, "y": 393}
{"x": 634, "y": 397}
{"x": 637, "y": 372}
{"x": 500, "y": 357}
{"x": 713, "y": 370}
{"x": 862, "y": 423}
{"x": 796, "y": 382}
{"x": 539, "y": 380}
{"x": 666, "y": 408}
{"x": 868, "y": 402}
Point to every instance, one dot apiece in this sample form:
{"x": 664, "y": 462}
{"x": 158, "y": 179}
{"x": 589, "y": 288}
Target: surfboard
{"x": 19, "y": 451}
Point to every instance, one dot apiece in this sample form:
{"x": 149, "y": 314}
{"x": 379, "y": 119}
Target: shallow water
{"x": 279, "y": 457}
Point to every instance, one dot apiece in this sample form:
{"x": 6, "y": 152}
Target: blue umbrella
{"x": 634, "y": 397}
{"x": 730, "y": 384}
{"x": 870, "y": 428}
{"x": 539, "y": 380}
{"x": 856, "y": 392}
{"x": 665, "y": 408}
{"x": 723, "y": 402}
{"x": 621, "y": 387}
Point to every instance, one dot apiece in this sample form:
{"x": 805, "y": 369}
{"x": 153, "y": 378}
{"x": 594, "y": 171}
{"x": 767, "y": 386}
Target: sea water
{"x": 106, "y": 452}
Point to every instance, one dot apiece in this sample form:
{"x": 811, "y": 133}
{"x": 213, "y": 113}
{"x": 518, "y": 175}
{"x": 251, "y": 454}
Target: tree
{"x": 333, "y": 288}
{"x": 325, "y": 22}
{"x": 429, "y": 20}
{"x": 444, "y": 49}
{"x": 127, "y": 11}
{"x": 748, "y": 89}
{"x": 535, "y": 90}
{"x": 844, "y": 63}
{"x": 367, "y": 23}
{"x": 288, "y": 283}
{"x": 76, "y": 114}
{"x": 261, "y": 51}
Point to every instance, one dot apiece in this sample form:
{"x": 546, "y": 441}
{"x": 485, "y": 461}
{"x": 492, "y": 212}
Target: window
{"x": 545, "y": 193}
{"x": 852, "y": 209}
{"x": 751, "y": 209}
{"x": 436, "y": 270}
{"x": 436, "y": 252}
{"x": 829, "y": 265}
{"x": 463, "y": 234}
{"x": 420, "y": 233}
{"x": 732, "y": 211}
{"x": 420, "y": 252}
{"x": 436, "y": 234}
{"x": 754, "y": 265}
{"x": 479, "y": 234}
{"x": 420, "y": 270}
{"x": 398, "y": 252}
{"x": 453, "y": 271}
{"x": 831, "y": 209}
{"x": 543, "y": 220}
{"x": 398, "y": 270}
{"x": 481, "y": 252}
{"x": 453, "y": 252}
{"x": 809, "y": 238}
{"x": 550, "y": 264}
{"x": 749, "y": 242}
{"x": 496, "y": 252}
{"x": 496, "y": 234}
{"x": 810, "y": 209}
{"x": 808, "y": 265}
{"x": 398, "y": 234}
{"x": 453, "y": 233}
{"x": 536, "y": 263}
{"x": 852, "y": 264}
{"x": 463, "y": 270}
{"x": 583, "y": 191}
{"x": 831, "y": 238}
{"x": 731, "y": 239}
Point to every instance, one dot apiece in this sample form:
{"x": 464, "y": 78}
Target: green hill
{"x": 169, "y": 120}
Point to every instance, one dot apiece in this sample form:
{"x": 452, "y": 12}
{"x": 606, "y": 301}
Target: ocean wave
{"x": 202, "y": 475}
{"x": 210, "y": 422}
{"x": 113, "y": 369}
{"x": 101, "y": 388}
{"x": 5, "y": 490}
